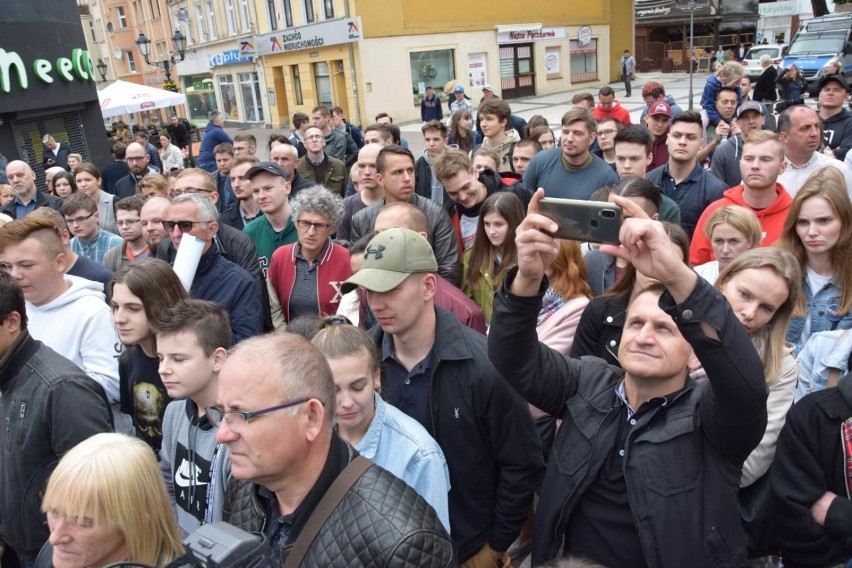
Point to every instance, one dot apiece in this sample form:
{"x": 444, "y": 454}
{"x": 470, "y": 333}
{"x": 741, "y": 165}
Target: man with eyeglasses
{"x": 216, "y": 279}
{"x": 137, "y": 159}
{"x": 275, "y": 413}
{"x": 275, "y": 228}
{"x": 128, "y": 214}
{"x": 607, "y": 128}
{"x": 90, "y": 241}
{"x": 320, "y": 167}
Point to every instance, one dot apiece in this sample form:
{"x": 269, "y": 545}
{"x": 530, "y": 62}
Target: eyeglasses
{"x": 135, "y": 158}
{"x": 184, "y": 226}
{"x": 315, "y": 137}
{"x": 606, "y": 133}
{"x": 77, "y": 220}
{"x": 239, "y": 419}
{"x": 183, "y": 190}
{"x": 307, "y": 225}
{"x": 127, "y": 222}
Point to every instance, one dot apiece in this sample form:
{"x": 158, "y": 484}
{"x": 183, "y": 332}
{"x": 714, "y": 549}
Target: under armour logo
{"x": 375, "y": 251}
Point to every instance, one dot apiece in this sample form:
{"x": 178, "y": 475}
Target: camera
{"x": 220, "y": 545}
{"x": 783, "y": 105}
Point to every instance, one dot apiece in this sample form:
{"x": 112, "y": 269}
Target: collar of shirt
{"x": 91, "y": 242}
{"x": 388, "y": 353}
{"x": 645, "y": 406}
{"x": 692, "y": 177}
{"x": 803, "y": 166}
{"x": 315, "y": 261}
{"x": 315, "y": 163}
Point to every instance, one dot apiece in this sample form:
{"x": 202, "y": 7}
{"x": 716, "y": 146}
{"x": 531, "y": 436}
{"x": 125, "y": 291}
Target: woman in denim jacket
{"x": 823, "y": 360}
{"x": 818, "y": 231}
{"x": 379, "y": 431}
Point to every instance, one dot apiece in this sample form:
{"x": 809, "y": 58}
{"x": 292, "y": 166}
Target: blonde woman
{"x": 106, "y": 502}
{"x": 731, "y": 230}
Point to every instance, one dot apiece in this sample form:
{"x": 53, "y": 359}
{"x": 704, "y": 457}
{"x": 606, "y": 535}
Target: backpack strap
{"x": 327, "y": 504}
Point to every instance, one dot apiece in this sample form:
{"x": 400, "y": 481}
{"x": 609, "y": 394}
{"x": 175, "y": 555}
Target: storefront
{"x": 47, "y": 87}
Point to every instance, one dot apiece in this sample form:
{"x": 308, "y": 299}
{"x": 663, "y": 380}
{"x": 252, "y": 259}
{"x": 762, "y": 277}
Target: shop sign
{"x": 476, "y": 69}
{"x": 667, "y": 9}
{"x": 526, "y": 36}
{"x": 202, "y": 86}
{"x": 76, "y": 67}
{"x": 783, "y": 8}
{"x": 230, "y": 57}
{"x": 584, "y": 35}
{"x": 331, "y": 32}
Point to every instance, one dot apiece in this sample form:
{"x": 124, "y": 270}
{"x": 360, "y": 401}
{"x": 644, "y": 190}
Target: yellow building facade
{"x": 371, "y": 56}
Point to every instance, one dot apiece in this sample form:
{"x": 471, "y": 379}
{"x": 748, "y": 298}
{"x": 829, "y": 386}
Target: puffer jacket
{"x": 47, "y": 406}
{"x": 381, "y": 521}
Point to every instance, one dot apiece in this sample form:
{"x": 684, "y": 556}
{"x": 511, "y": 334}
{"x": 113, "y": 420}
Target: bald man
{"x": 27, "y": 197}
{"x": 287, "y": 156}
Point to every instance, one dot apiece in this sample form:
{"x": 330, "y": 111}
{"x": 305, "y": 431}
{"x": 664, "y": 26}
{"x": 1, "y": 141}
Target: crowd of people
{"x": 386, "y": 359}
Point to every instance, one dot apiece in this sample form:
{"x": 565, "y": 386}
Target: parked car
{"x": 751, "y": 63}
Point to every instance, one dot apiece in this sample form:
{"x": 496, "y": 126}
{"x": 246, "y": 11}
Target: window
{"x": 199, "y": 23}
{"x": 250, "y": 91}
{"x": 309, "y": 11}
{"x": 273, "y": 17}
{"x": 297, "y": 85}
{"x": 92, "y": 30}
{"x": 329, "y": 9}
{"x": 322, "y": 81}
{"x": 245, "y": 15}
{"x": 122, "y": 18}
{"x": 553, "y": 62}
{"x": 584, "y": 61}
{"x": 288, "y": 14}
{"x": 138, "y": 14}
{"x": 131, "y": 62}
{"x": 161, "y": 52}
{"x": 229, "y": 97}
{"x": 211, "y": 20}
{"x": 432, "y": 67}
{"x": 231, "y": 17}
{"x": 154, "y": 8}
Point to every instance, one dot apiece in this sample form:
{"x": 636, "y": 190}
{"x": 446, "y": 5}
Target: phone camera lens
{"x": 608, "y": 214}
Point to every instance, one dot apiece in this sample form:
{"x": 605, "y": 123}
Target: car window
{"x": 758, "y": 51}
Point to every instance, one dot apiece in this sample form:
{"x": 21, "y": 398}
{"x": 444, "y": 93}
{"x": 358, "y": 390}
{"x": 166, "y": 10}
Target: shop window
{"x": 584, "y": 61}
{"x": 309, "y": 11}
{"x": 250, "y": 91}
{"x": 322, "y": 80}
{"x": 211, "y": 20}
{"x": 329, "y": 9}
{"x": 131, "y": 62}
{"x": 434, "y": 68}
{"x": 288, "y": 14}
{"x": 231, "y": 16}
{"x": 779, "y": 37}
{"x": 200, "y": 97}
{"x": 228, "y": 97}
{"x": 297, "y": 85}
{"x": 245, "y": 15}
{"x": 122, "y": 17}
{"x": 199, "y": 22}
{"x": 273, "y": 17}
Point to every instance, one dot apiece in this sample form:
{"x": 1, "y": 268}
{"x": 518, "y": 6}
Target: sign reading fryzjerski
{"x": 649, "y": 10}
{"x": 331, "y": 32}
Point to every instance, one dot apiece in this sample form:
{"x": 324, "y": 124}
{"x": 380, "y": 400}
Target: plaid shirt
{"x": 96, "y": 248}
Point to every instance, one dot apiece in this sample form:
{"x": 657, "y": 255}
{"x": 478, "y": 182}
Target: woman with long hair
{"x": 493, "y": 251}
{"x": 462, "y": 133}
{"x": 818, "y": 231}
{"x": 731, "y": 230}
{"x": 763, "y": 287}
{"x": 139, "y": 293}
{"x": 88, "y": 177}
{"x": 63, "y": 184}
{"x": 106, "y": 502}
{"x": 379, "y": 431}
{"x": 566, "y": 297}
{"x": 544, "y": 136}
{"x": 600, "y": 327}
{"x": 791, "y": 83}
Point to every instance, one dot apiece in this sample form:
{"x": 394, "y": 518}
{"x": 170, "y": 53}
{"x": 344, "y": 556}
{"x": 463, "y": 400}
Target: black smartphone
{"x": 588, "y": 221}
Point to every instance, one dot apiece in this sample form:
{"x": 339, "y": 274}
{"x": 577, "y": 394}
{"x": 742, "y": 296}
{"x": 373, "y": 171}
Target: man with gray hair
{"x": 216, "y": 278}
{"x": 27, "y": 197}
{"x": 287, "y": 156}
{"x": 284, "y": 462}
{"x": 55, "y": 154}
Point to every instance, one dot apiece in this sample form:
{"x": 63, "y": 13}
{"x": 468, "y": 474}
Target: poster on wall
{"x": 476, "y": 69}
{"x": 551, "y": 60}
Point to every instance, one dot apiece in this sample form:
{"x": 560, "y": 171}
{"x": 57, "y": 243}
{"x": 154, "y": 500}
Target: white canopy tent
{"x": 122, "y": 97}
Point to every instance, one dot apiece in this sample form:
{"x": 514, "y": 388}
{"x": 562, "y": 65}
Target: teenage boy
{"x": 192, "y": 342}
{"x": 128, "y": 215}
{"x": 493, "y": 116}
{"x": 81, "y": 214}
{"x": 426, "y": 184}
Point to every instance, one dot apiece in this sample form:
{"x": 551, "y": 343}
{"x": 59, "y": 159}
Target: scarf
{"x": 551, "y": 302}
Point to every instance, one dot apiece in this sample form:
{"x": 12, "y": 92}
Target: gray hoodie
{"x": 725, "y": 164}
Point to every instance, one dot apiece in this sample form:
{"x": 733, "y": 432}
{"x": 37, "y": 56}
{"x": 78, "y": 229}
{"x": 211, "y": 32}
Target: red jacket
{"x": 617, "y": 112}
{"x": 771, "y": 221}
{"x": 333, "y": 268}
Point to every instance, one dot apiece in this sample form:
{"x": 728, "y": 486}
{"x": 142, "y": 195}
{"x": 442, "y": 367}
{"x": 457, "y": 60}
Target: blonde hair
{"x": 784, "y": 265}
{"x": 730, "y": 71}
{"x": 742, "y": 219}
{"x": 114, "y": 480}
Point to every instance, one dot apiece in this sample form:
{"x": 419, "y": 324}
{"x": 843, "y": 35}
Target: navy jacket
{"x": 692, "y": 195}
{"x": 213, "y": 136}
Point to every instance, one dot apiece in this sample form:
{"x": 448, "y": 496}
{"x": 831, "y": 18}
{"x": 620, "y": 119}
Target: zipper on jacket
{"x": 21, "y": 416}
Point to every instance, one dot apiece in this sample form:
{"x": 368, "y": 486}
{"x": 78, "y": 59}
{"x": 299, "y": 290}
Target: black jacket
{"x": 47, "y": 406}
{"x": 179, "y": 135}
{"x": 599, "y": 331}
{"x": 233, "y": 244}
{"x": 683, "y": 459}
{"x": 423, "y": 181}
{"x": 126, "y": 186}
{"x": 42, "y": 199}
{"x": 810, "y": 460}
{"x": 837, "y": 132}
{"x": 488, "y": 437}
{"x": 112, "y": 173}
{"x": 764, "y": 89}
{"x": 380, "y": 522}
{"x": 59, "y": 159}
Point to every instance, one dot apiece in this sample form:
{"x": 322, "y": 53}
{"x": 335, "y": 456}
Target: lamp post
{"x": 174, "y": 58}
{"x": 102, "y": 69}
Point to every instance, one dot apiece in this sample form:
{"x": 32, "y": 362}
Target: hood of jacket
{"x": 616, "y": 107}
{"x": 79, "y": 288}
{"x": 783, "y": 201}
{"x": 839, "y": 117}
{"x": 512, "y": 137}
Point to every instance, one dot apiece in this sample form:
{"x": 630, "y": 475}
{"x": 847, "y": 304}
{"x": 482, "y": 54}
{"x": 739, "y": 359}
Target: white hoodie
{"x": 78, "y": 325}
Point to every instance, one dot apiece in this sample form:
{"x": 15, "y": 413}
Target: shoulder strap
{"x": 332, "y": 497}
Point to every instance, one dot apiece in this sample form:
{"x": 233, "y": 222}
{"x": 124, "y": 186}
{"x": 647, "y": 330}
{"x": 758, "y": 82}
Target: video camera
{"x": 783, "y": 105}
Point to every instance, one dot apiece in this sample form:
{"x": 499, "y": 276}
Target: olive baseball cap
{"x": 391, "y": 257}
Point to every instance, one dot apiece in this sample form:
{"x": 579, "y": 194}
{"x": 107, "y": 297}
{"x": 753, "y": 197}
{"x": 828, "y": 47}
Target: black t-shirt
{"x": 91, "y": 270}
{"x": 143, "y": 395}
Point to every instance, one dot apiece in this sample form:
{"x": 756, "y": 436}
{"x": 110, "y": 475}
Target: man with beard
{"x": 137, "y": 159}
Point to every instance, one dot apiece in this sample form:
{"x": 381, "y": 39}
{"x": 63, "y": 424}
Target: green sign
{"x": 76, "y": 67}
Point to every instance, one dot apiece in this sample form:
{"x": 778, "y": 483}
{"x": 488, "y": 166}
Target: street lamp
{"x": 166, "y": 65}
{"x": 102, "y": 69}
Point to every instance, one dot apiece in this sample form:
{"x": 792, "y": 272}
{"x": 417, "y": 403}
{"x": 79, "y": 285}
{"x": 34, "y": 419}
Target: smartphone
{"x": 587, "y": 221}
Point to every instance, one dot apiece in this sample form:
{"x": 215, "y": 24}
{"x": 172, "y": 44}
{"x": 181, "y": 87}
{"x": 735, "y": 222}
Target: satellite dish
{"x": 117, "y": 53}
{"x": 109, "y": 27}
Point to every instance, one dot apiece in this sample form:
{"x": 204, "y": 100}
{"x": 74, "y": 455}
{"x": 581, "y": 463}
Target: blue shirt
{"x": 407, "y": 390}
{"x": 96, "y": 248}
{"x": 400, "y": 445}
{"x": 22, "y": 209}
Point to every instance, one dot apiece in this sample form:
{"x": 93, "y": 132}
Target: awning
{"x": 505, "y": 28}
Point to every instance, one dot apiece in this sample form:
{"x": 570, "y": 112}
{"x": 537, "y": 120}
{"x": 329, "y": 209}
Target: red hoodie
{"x": 617, "y": 112}
{"x": 771, "y": 221}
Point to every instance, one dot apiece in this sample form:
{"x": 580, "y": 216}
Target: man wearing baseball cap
{"x": 657, "y": 122}
{"x": 725, "y": 165}
{"x": 271, "y": 187}
{"x": 836, "y": 120}
{"x": 461, "y": 101}
{"x": 437, "y": 371}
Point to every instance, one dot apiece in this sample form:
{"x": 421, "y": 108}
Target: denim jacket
{"x": 820, "y": 308}
{"x": 399, "y": 444}
{"x": 822, "y": 352}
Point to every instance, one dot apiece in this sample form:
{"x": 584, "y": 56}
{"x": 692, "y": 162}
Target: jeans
{"x": 626, "y": 78}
